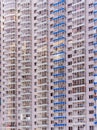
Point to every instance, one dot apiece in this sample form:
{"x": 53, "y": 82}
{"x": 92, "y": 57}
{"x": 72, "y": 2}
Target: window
{"x": 69, "y": 92}
{"x": 90, "y": 28}
{"x": 90, "y": 43}
{"x": 70, "y": 48}
{"x": 91, "y": 12}
{"x": 35, "y": 77}
{"x": 52, "y": 128}
{"x": 69, "y": 99}
{"x": 90, "y": 81}
{"x": 90, "y": 58}
{"x": 70, "y": 20}
{"x": 91, "y": 112}
{"x": 91, "y": 104}
{"x": 90, "y": 96}
{"x": 70, "y": 63}
{"x": 70, "y": 12}
{"x": 69, "y": 77}
{"x": 70, "y": 121}
{"x": 35, "y": 5}
{"x": 34, "y": 18}
{"x": 69, "y": 84}
{"x": 91, "y": 89}
{"x": 91, "y": 35}
{"x": 69, "y": 5}
{"x": 51, "y": 87}
{"x": 91, "y": 66}
{"x": 90, "y": 51}
{"x": 79, "y": 82}
{"x": 69, "y": 27}
{"x": 69, "y": 56}
{"x": 90, "y": 5}
{"x": 35, "y": 11}
{"x": 69, "y": 106}
{"x": 91, "y": 128}
{"x": 70, "y": 113}
{"x": 70, "y": 128}
{"x": 69, "y": 34}
{"x": 34, "y": 70}
{"x": 90, "y": 20}
{"x": 69, "y": 70}
{"x": 91, "y": 74}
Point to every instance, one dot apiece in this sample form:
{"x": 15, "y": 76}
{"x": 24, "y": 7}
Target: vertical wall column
{"x": 95, "y": 62}
{"x": 59, "y": 59}
{"x": 78, "y": 64}
{"x": 42, "y": 65}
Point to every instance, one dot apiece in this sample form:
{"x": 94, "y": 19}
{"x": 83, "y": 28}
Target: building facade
{"x": 48, "y": 65}
{"x": 80, "y": 39}
{"x": 16, "y": 72}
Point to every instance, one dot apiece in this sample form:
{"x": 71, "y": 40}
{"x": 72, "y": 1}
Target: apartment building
{"x": 48, "y": 50}
{"x": 44, "y": 94}
{"x": 80, "y": 64}
{"x": 16, "y": 66}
